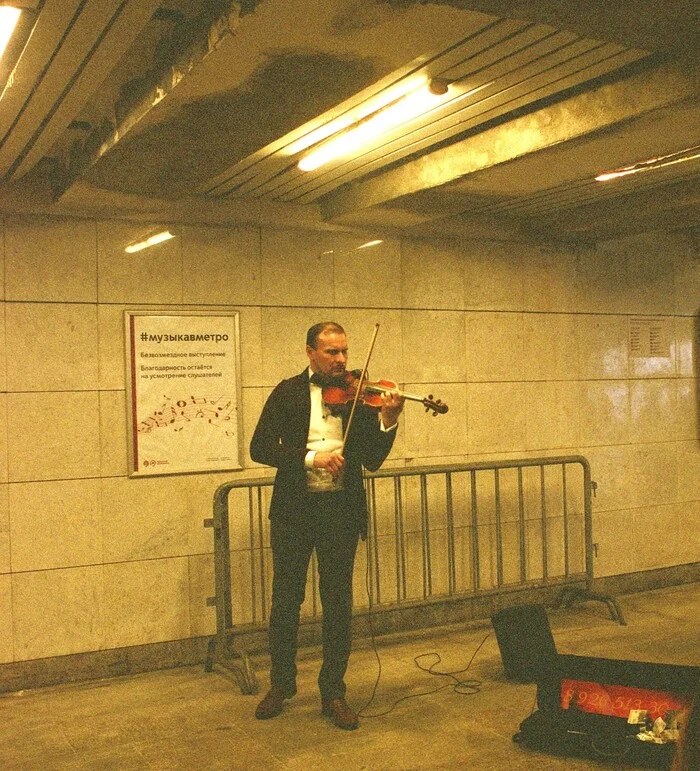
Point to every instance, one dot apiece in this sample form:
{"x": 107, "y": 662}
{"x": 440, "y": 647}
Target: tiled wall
{"x": 528, "y": 345}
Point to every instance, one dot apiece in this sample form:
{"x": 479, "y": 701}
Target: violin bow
{"x": 363, "y": 377}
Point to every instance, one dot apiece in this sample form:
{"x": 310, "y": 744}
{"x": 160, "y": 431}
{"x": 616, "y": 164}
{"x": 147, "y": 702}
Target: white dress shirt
{"x": 325, "y": 435}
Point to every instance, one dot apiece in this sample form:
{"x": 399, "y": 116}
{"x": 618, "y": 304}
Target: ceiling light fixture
{"x": 349, "y": 133}
{"x": 357, "y": 114}
{"x": 8, "y": 21}
{"x": 689, "y": 154}
{"x": 158, "y": 238}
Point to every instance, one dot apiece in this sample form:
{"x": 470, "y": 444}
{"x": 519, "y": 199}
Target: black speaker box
{"x": 525, "y": 641}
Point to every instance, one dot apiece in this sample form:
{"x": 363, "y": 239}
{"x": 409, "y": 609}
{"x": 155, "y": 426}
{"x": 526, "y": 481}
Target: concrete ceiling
{"x": 187, "y": 110}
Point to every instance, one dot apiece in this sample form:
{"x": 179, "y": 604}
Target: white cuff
{"x": 309, "y": 459}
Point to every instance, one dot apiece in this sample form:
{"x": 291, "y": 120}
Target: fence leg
{"x": 571, "y": 594}
{"x": 222, "y": 653}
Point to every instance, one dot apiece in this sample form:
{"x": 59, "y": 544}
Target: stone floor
{"x": 188, "y": 719}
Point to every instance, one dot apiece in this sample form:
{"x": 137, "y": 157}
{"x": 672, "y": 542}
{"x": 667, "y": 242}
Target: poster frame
{"x": 134, "y": 468}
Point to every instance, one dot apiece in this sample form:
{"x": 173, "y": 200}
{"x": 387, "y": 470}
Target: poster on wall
{"x": 183, "y": 391}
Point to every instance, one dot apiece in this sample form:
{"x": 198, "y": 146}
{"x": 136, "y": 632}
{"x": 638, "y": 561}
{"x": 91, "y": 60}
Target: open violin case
{"x": 584, "y": 706}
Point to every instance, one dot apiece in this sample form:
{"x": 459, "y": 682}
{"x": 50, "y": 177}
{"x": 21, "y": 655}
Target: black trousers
{"x": 328, "y": 529}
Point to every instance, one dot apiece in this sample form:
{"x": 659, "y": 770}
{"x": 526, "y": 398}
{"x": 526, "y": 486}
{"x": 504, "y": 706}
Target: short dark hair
{"x": 323, "y": 326}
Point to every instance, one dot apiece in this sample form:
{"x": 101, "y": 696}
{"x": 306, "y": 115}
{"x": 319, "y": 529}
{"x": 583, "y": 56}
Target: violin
{"x": 342, "y": 390}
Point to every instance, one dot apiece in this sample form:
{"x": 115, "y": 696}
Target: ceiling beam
{"x": 608, "y": 105}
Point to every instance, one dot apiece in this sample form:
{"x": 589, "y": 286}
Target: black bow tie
{"x": 339, "y": 381}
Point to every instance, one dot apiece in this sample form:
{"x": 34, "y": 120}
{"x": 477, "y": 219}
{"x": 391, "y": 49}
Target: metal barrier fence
{"x": 435, "y": 532}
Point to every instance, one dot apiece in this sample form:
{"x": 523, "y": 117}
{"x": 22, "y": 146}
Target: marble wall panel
{"x": 688, "y": 549}
{"x": 549, "y": 279}
{"x": 610, "y": 472}
{"x": 497, "y": 417}
{"x": 146, "y": 518}
{"x": 494, "y": 276}
{"x": 686, "y": 273}
{"x": 146, "y": 602}
{"x": 552, "y": 419}
{"x": 387, "y": 361}
{"x": 510, "y": 553}
{"x": 68, "y": 429}
{"x": 294, "y": 270}
{"x": 439, "y": 572}
{"x": 656, "y": 535}
{"x": 250, "y": 325}
{"x": 239, "y": 522}
{"x": 201, "y": 584}
{"x": 686, "y": 421}
{"x": 368, "y": 277}
{"x": 653, "y": 474}
{"x": 113, "y": 433}
{"x": 687, "y": 335}
{"x": 55, "y": 524}
{"x": 153, "y": 275}
{"x": 51, "y": 259}
{"x": 432, "y": 276}
{"x": 52, "y": 347}
{"x": 603, "y": 347}
{"x": 4, "y": 465}
{"x": 6, "y": 643}
{"x": 221, "y": 265}
{"x": 550, "y": 346}
{"x": 110, "y": 347}
{"x": 247, "y": 583}
{"x": 4, "y": 530}
{"x": 416, "y": 575}
{"x": 198, "y": 491}
{"x": 253, "y": 400}
{"x": 386, "y": 582}
{"x": 616, "y": 549}
{"x": 654, "y": 410}
{"x": 464, "y": 559}
{"x": 522, "y": 342}
{"x": 2, "y": 259}
{"x": 602, "y": 280}
{"x": 650, "y": 280}
{"x": 434, "y": 346}
{"x": 3, "y": 348}
{"x": 57, "y": 612}
{"x": 604, "y": 412}
{"x": 688, "y": 455}
{"x": 425, "y": 435}
{"x": 495, "y": 347}
{"x": 283, "y": 343}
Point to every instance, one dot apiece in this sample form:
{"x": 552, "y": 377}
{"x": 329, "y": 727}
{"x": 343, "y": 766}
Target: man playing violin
{"x": 318, "y": 502}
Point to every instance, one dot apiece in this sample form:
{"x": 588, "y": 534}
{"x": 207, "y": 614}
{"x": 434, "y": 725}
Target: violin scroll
{"x": 434, "y": 405}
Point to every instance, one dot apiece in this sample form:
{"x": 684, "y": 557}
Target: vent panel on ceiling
{"x": 511, "y": 64}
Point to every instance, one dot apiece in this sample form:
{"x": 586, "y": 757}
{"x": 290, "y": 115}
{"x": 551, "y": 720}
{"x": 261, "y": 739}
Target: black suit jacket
{"x": 280, "y": 440}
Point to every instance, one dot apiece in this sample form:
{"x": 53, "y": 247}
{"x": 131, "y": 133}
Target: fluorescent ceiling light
{"x": 8, "y": 22}
{"x": 689, "y": 154}
{"x": 417, "y": 99}
{"x": 357, "y": 114}
{"x": 343, "y": 252}
{"x": 158, "y": 238}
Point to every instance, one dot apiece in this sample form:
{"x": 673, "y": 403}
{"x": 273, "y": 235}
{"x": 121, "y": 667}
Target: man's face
{"x": 330, "y": 355}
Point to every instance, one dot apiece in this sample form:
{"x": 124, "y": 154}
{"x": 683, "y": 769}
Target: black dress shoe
{"x": 341, "y": 714}
{"x": 271, "y": 705}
